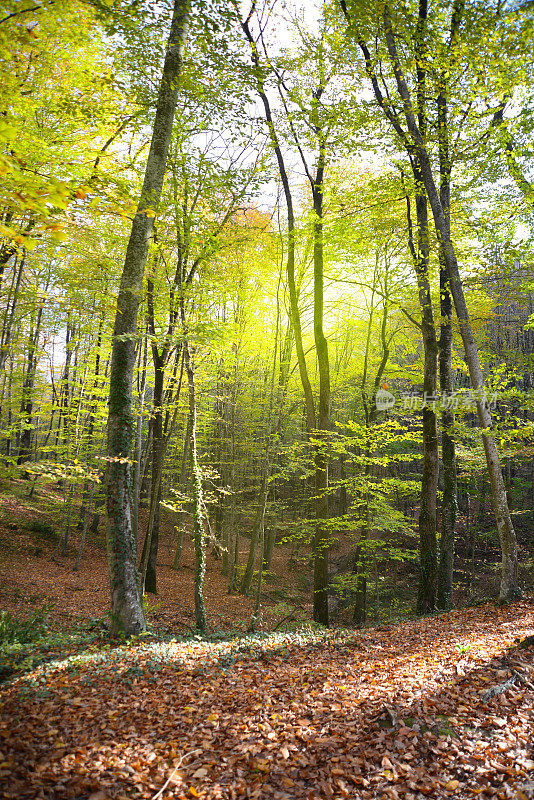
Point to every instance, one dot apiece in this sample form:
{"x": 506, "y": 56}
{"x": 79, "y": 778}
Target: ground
{"x": 33, "y": 572}
{"x": 403, "y": 712}
{"x": 435, "y": 707}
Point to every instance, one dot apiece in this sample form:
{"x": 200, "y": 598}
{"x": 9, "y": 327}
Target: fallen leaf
{"x": 200, "y": 773}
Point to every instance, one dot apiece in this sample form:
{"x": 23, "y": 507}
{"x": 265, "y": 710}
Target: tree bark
{"x": 257, "y": 527}
{"x": 446, "y": 375}
{"x": 321, "y": 537}
{"x": 198, "y": 500}
{"x": 127, "y": 610}
{"x": 509, "y": 589}
{"x": 428, "y": 548}
{"x": 138, "y": 453}
{"x": 157, "y": 466}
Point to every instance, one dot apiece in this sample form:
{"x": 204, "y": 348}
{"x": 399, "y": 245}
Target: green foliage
{"x": 44, "y": 530}
{"x": 17, "y": 632}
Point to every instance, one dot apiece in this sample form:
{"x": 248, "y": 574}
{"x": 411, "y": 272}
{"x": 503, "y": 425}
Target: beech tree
{"x": 127, "y": 610}
{"x": 302, "y": 239}
{"x": 414, "y": 138}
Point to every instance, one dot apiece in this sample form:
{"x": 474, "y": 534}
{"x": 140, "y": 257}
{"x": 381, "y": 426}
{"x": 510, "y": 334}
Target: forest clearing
{"x": 266, "y": 399}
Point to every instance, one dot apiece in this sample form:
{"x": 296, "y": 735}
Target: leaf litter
{"x": 402, "y": 711}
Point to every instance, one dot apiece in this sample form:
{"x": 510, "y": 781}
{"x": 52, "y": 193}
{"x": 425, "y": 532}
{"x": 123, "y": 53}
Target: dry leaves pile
{"x": 433, "y": 708}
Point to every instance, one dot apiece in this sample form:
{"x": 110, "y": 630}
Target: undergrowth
{"x": 27, "y": 643}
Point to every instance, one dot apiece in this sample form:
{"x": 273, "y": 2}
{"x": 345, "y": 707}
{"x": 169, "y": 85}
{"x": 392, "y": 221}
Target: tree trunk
{"x": 198, "y": 501}
{"x": 446, "y": 376}
{"x": 138, "y": 453}
{"x": 321, "y": 537}
{"x": 257, "y": 527}
{"x": 509, "y": 589}
{"x": 179, "y": 547}
{"x": 428, "y": 548}
{"x": 152, "y": 540}
{"x": 270, "y": 541}
{"x": 9, "y": 313}
{"x": 127, "y": 609}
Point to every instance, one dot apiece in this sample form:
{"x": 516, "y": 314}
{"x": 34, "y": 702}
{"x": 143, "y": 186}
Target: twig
{"x": 171, "y": 776}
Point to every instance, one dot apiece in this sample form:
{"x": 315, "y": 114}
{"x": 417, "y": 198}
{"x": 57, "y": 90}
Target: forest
{"x": 266, "y": 398}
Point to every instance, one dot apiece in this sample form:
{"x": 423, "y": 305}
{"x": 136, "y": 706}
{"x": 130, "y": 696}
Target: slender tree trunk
{"x": 88, "y": 487}
{"x": 233, "y": 533}
{"x": 428, "y": 547}
{"x": 509, "y": 589}
{"x": 321, "y": 537}
{"x": 290, "y": 268}
{"x": 198, "y": 499}
{"x": 157, "y": 466}
{"x": 257, "y": 527}
{"x": 428, "y": 552}
{"x": 155, "y": 497}
{"x": 320, "y": 542}
{"x": 127, "y": 610}
{"x": 179, "y": 547}
{"x": 255, "y": 617}
{"x": 138, "y": 453}
{"x": 446, "y": 376}
{"x": 270, "y": 541}
{"x": 9, "y": 312}
{"x": 361, "y": 561}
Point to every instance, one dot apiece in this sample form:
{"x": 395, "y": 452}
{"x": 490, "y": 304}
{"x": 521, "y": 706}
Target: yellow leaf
{"x": 193, "y": 791}
{"x": 451, "y": 786}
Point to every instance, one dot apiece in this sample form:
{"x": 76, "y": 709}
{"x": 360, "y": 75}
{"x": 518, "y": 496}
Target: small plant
{"x": 463, "y": 647}
{"x": 148, "y": 606}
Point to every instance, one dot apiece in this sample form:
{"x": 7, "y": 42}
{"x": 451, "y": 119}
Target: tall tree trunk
{"x": 155, "y": 496}
{"x": 152, "y": 541}
{"x": 321, "y": 537}
{"x": 360, "y": 563}
{"x": 320, "y": 545}
{"x": 428, "y": 553}
{"x": 446, "y": 376}
{"x": 88, "y": 486}
{"x": 9, "y": 312}
{"x": 198, "y": 499}
{"x": 257, "y": 527}
{"x": 509, "y": 589}
{"x": 138, "y": 453}
{"x": 448, "y": 454}
{"x": 127, "y": 610}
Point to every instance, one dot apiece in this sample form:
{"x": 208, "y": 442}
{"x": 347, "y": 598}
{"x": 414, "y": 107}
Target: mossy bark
{"x": 126, "y": 605}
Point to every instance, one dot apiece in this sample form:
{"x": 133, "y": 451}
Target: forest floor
{"x": 435, "y": 707}
{"x": 438, "y": 707}
{"x": 33, "y": 573}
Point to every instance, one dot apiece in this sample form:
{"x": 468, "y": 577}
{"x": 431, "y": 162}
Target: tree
{"x": 415, "y": 141}
{"x": 127, "y": 610}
